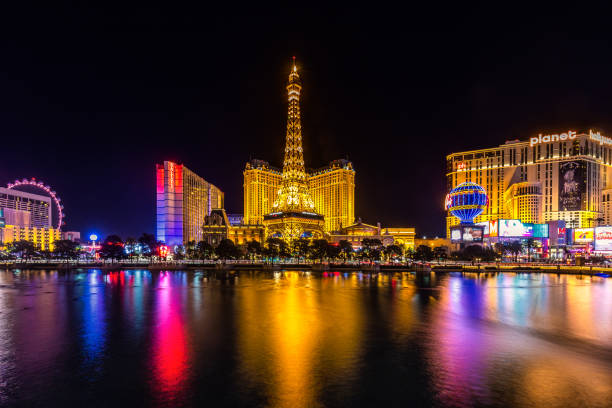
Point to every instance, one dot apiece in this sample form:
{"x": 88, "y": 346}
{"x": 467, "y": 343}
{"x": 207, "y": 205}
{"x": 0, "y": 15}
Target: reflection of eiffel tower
{"x": 293, "y": 213}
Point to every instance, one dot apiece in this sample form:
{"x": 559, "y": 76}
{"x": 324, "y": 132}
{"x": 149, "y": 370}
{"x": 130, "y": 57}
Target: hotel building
{"x": 26, "y": 216}
{"x": 21, "y": 208}
{"x": 560, "y": 176}
{"x": 332, "y": 189}
{"x": 42, "y": 238}
{"x": 184, "y": 200}
{"x": 261, "y": 184}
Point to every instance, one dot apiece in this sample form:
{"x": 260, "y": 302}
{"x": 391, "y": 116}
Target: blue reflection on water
{"x": 93, "y": 314}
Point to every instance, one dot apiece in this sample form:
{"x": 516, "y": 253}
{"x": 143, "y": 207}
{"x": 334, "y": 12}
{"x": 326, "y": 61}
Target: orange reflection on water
{"x": 586, "y": 316}
{"x": 566, "y": 380}
{"x": 170, "y": 360}
{"x": 296, "y": 333}
{"x": 295, "y": 328}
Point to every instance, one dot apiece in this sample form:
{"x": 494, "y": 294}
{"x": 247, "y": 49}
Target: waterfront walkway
{"x": 307, "y": 265}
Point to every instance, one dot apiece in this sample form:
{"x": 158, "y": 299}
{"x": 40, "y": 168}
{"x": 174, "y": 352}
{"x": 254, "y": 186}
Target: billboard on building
{"x": 514, "y": 228}
{"x": 472, "y": 234}
{"x": 583, "y": 235}
{"x": 571, "y": 185}
{"x": 485, "y": 225}
{"x": 603, "y": 238}
{"x": 467, "y": 234}
{"x": 490, "y": 227}
{"x": 518, "y": 229}
{"x": 540, "y": 230}
{"x": 493, "y": 227}
{"x": 456, "y": 234}
{"x": 561, "y": 235}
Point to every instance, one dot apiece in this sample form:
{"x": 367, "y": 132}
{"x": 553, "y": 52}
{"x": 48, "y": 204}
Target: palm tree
{"x": 515, "y": 248}
{"x": 22, "y": 249}
{"x": 227, "y": 249}
{"x": 276, "y": 247}
{"x": 253, "y": 248}
{"x": 440, "y": 252}
{"x": 66, "y": 249}
{"x": 204, "y": 250}
{"x": 346, "y": 248}
{"x": 530, "y": 243}
{"x": 301, "y": 247}
{"x": 319, "y": 249}
{"x": 149, "y": 244}
{"x": 190, "y": 250}
{"x": 392, "y": 250}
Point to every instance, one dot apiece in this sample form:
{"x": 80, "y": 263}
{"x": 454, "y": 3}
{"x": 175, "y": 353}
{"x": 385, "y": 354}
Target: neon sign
{"x": 552, "y": 138}
{"x": 601, "y": 139}
{"x": 603, "y": 238}
{"x": 583, "y": 235}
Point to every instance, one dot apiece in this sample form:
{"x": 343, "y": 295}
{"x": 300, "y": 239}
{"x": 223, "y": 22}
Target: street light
{"x": 93, "y": 238}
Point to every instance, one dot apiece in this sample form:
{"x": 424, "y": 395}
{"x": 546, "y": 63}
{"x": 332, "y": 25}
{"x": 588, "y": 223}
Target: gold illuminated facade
{"x": 558, "y": 176}
{"x": 357, "y": 232}
{"x": 401, "y": 236}
{"x": 261, "y": 184}
{"x": 42, "y": 238}
{"x": 333, "y": 192}
{"x": 332, "y": 189}
{"x": 217, "y": 226}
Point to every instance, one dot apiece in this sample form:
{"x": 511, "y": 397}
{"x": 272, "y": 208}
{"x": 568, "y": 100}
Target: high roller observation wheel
{"x": 39, "y": 184}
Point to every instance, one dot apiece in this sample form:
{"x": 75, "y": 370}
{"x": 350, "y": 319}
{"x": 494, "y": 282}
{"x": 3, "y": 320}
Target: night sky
{"x": 92, "y": 98}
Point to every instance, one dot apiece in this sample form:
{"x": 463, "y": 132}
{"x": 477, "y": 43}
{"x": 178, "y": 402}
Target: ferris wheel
{"x": 33, "y": 184}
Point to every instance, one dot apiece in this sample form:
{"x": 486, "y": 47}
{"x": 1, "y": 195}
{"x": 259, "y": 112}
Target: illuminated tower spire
{"x": 293, "y": 213}
{"x": 293, "y": 166}
{"x": 294, "y": 194}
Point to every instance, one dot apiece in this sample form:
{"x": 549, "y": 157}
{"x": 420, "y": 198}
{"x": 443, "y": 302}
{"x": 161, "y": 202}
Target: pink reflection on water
{"x": 458, "y": 347}
{"x": 170, "y": 348}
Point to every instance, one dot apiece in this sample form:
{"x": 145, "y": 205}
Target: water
{"x": 294, "y": 339}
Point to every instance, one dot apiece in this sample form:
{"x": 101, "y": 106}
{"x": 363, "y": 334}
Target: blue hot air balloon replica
{"x": 467, "y": 201}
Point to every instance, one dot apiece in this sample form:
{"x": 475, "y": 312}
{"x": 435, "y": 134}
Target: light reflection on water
{"x": 297, "y": 339}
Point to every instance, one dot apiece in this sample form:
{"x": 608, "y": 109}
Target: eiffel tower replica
{"x": 293, "y": 213}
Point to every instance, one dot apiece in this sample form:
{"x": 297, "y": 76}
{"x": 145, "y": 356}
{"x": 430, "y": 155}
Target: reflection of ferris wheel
{"x": 58, "y": 213}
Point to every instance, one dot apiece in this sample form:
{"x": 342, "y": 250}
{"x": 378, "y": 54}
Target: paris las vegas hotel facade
{"x": 563, "y": 176}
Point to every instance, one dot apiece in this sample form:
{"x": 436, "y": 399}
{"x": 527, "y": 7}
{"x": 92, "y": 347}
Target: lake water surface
{"x": 296, "y": 339}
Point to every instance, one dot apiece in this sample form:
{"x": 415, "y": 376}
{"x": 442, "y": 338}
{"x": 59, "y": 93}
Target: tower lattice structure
{"x": 293, "y": 212}
{"x": 294, "y": 194}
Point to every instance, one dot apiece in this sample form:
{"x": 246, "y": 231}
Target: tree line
{"x": 146, "y": 246}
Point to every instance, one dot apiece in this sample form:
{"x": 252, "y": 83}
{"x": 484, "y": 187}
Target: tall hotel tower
{"x": 331, "y": 188}
{"x": 184, "y": 199}
{"x": 560, "y": 176}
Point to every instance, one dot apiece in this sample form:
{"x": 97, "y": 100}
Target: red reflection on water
{"x": 116, "y": 278}
{"x": 170, "y": 358}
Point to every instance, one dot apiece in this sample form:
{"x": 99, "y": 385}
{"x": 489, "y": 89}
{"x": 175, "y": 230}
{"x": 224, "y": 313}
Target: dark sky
{"x": 92, "y": 98}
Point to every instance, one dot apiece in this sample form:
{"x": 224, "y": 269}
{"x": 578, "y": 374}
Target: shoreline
{"x": 478, "y": 269}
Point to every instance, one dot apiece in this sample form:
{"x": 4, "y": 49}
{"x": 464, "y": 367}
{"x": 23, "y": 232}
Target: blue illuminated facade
{"x": 467, "y": 201}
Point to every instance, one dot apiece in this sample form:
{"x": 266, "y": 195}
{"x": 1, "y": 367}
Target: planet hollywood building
{"x": 551, "y": 176}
